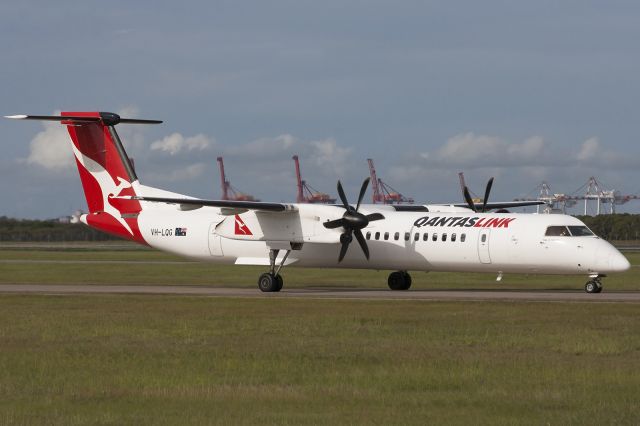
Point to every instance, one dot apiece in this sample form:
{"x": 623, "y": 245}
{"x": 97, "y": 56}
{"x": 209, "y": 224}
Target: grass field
{"x": 135, "y": 266}
{"x": 177, "y": 360}
{"x": 108, "y": 359}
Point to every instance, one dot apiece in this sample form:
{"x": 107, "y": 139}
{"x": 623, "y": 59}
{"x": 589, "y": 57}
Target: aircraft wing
{"x": 228, "y": 207}
{"x": 503, "y": 204}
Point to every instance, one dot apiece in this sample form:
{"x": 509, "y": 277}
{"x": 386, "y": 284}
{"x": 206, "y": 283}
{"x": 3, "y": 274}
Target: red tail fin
{"x": 105, "y": 171}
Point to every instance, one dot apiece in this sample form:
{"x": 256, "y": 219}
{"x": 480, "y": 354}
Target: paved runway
{"x": 332, "y": 293}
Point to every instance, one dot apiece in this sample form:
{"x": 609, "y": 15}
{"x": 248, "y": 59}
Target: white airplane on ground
{"x": 401, "y": 238}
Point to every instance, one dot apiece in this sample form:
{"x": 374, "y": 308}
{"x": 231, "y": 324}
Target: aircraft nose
{"x": 618, "y": 262}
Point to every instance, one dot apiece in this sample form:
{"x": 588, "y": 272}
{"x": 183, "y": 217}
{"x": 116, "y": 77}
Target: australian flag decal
{"x": 181, "y": 232}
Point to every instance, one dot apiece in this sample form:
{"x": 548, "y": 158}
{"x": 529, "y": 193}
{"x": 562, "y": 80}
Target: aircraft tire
{"x": 598, "y": 287}
{"x": 268, "y": 283}
{"x": 280, "y": 281}
{"x": 591, "y": 287}
{"x": 399, "y": 280}
{"x": 407, "y": 280}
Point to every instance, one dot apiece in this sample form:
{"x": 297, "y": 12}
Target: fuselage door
{"x": 483, "y": 245}
{"x": 215, "y": 241}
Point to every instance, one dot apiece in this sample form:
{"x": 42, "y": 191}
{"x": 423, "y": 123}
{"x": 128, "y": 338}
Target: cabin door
{"x": 215, "y": 241}
{"x": 483, "y": 245}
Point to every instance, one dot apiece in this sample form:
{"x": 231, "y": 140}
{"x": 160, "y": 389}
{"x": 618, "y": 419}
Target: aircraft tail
{"x": 105, "y": 170}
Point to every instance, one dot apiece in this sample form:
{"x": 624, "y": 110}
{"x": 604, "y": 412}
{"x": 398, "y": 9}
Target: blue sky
{"x": 525, "y": 92}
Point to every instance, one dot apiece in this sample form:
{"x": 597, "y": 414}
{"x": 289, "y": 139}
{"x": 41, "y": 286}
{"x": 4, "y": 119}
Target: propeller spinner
{"x": 352, "y": 222}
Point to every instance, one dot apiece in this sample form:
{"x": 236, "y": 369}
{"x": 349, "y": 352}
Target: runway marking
{"x": 332, "y": 293}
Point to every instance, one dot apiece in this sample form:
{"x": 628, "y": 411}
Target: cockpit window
{"x": 557, "y": 231}
{"x": 580, "y": 231}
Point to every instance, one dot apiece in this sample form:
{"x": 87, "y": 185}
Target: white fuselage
{"x": 451, "y": 239}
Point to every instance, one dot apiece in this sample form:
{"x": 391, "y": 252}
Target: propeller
{"x": 352, "y": 222}
{"x": 469, "y": 200}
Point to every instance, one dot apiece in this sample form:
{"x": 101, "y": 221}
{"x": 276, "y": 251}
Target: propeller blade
{"x": 343, "y": 197}
{"x": 363, "y": 189}
{"x": 468, "y": 199}
{"x": 487, "y": 191}
{"x": 374, "y": 216}
{"x": 362, "y": 242}
{"x": 343, "y": 250}
{"x": 333, "y": 224}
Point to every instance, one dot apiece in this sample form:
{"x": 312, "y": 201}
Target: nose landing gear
{"x": 594, "y": 285}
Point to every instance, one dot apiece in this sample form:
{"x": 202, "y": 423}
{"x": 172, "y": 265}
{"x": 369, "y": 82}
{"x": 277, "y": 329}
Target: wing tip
{"x": 16, "y": 117}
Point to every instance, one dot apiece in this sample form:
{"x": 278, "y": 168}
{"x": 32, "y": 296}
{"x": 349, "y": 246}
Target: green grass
{"x": 176, "y": 360}
{"x": 153, "y": 269}
{"x": 108, "y": 359}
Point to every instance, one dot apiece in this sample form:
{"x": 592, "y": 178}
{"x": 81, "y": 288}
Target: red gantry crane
{"x": 228, "y": 191}
{"x": 306, "y": 194}
{"x": 383, "y": 193}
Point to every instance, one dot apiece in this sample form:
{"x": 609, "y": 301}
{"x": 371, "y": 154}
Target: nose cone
{"x": 618, "y": 262}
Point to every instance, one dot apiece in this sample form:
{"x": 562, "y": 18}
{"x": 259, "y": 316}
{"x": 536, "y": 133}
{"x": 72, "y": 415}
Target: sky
{"x": 523, "y": 91}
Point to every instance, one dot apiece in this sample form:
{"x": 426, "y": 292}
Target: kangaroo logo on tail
{"x": 107, "y": 186}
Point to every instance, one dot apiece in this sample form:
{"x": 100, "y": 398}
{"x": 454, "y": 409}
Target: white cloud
{"x": 589, "y": 149}
{"x": 269, "y": 147}
{"x": 327, "y": 154}
{"x": 324, "y": 155}
{"x": 51, "y": 148}
{"x": 176, "y": 143}
{"x": 472, "y": 151}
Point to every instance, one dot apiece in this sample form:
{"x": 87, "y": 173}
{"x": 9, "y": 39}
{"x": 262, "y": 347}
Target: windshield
{"x": 557, "y": 231}
{"x": 580, "y": 231}
{"x": 566, "y": 231}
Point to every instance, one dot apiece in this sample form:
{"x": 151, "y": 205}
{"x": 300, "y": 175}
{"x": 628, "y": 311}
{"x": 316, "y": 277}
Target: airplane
{"x": 401, "y": 238}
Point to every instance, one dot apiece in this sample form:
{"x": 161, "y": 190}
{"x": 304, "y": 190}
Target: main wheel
{"x": 407, "y": 280}
{"x": 280, "y": 282}
{"x": 268, "y": 282}
{"x": 591, "y": 287}
{"x": 399, "y": 280}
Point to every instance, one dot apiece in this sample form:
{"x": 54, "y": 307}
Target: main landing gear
{"x": 272, "y": 280}
{"x": 594, "y": 285}
{"x": 399, "y": 280}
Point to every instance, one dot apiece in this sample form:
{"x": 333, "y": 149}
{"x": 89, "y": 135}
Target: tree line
{"x": 27, "y": 230}
{"x": 613, "y": 227}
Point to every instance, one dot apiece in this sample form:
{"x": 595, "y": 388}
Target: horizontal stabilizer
{"x": 108, "y": 118}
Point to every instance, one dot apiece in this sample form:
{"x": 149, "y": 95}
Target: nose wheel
{"x": 399, "y": 280}
{"x": 594, "y": 285}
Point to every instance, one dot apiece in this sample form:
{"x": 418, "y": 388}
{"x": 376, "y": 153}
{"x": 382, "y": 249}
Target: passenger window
{"x": 396, "y": 236}
{"x": 444, "y": 237}
{"x": 453, "y": 237}
{"x": 407, "y": 236}
{"x": 425, "y": 237}
{"x": 557, "y": 231}
{"x": 369, "y": 235}
{"x": 484, "y": 238}
{"x": 377, "y": 235}
{"x": 386, "y": 236}
{"x": 463, "y": 237}
{"x": 434, "y": 237}
{"x": 416, "y": 237}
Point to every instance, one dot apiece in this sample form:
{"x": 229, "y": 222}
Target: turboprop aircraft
{"x": 465, "y": 238}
